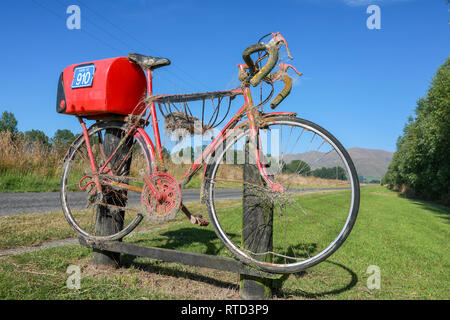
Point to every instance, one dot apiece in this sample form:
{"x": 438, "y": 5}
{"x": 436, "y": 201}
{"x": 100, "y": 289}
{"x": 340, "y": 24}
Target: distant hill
{"x": 371, "y": 162}
{"x": 368, "y": 162}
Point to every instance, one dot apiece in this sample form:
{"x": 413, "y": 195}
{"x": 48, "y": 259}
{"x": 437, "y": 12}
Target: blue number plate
{"x": 83, "y": 76}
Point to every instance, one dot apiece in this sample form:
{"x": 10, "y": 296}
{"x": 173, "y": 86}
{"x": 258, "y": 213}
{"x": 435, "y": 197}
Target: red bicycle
{"x": 292, "y": 168}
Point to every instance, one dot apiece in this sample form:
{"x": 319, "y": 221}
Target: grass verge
{"x": 406, "y": 239}
{"x": 17, "y": 182}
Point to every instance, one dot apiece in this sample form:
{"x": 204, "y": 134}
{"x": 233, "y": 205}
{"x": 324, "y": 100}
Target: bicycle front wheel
{"x": 286, "y": 231}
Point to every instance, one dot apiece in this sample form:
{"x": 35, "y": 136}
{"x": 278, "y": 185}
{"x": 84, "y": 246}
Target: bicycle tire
{"x": 76, "y": 148}
{"x": 238, "y": 252}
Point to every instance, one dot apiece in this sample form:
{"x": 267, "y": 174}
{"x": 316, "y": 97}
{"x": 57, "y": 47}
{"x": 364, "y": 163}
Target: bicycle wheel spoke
{"x": 306, "y": 219}
{"x": 121, "y": 183}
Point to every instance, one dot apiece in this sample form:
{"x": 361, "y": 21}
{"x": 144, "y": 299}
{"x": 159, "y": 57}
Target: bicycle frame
{"x": 255, "y": 118}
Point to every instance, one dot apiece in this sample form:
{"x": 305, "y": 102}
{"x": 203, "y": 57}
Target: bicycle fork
{"x": 255, "y": 140}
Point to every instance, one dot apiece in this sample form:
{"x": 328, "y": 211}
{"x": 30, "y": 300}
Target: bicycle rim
{"x": 84, "y": 209}
{"x": 299, "y": 227}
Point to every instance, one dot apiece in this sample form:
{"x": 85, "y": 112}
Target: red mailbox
{"x": 109, "y": 86}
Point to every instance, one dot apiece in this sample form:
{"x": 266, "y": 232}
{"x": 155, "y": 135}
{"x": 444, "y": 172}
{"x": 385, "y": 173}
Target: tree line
{"x": 421, "y": 163}
{"x": 304, "y": 169}
{"x": 62, "y": 137}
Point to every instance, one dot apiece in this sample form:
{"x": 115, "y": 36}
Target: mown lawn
{"x": 407, "y": 240}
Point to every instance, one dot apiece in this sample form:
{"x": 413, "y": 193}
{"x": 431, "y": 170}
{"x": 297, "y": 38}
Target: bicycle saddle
{"x": 148, "y": 62}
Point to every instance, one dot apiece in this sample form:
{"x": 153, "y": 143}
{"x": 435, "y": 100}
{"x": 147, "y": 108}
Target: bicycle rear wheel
{"x": 82, "y": 206}
{"x": 308, "y": 221}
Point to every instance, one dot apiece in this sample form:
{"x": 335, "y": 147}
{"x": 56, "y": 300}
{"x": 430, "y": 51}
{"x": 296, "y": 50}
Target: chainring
{"x": 165, "y": 208}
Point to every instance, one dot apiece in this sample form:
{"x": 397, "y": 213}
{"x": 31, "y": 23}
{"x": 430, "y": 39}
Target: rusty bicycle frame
{"x": 160, "y": 193}
{"x": 255, "y": 120}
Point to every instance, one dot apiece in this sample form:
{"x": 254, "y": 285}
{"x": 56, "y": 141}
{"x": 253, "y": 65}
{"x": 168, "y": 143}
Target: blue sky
{"x": 360, "y": 84}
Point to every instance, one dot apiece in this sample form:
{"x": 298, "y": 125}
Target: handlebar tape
{"x": 248, "y": 60}
{"x": 284, "y": 93}
{"x": 271, "y": 61}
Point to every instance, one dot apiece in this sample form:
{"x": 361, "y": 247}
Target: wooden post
{"x": 257, "y": 231}
{"x": 108, "y": 220}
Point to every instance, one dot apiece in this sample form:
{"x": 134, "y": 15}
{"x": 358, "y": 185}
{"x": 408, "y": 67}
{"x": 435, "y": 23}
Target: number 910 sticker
{"x": 83, "y": 76}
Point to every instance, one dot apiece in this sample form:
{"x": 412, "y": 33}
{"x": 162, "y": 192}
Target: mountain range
{"x": 368, "y": 162}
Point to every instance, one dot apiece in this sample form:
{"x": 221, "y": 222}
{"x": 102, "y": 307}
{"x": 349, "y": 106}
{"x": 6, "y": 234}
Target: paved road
{"x": 15, "y": 203}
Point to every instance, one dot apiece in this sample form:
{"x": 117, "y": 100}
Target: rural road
{"x": 15, "y": 203}
{"x": 29, "y": 202}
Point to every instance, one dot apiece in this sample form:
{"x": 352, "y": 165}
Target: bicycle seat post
{"x": 149, "y": 82}
{"x": 159, "y": 156}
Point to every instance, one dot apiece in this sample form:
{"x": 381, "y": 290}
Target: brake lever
{"x": 283, "y": 68}
{"x": 282, "y": 75}
{"x": 277, "y": 38}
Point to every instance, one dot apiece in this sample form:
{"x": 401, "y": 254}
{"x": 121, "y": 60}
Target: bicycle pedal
{"x": 202, "y": 222}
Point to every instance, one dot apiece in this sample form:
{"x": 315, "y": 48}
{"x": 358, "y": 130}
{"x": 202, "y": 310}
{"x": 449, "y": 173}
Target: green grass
{"x": 18, "y": 182}
{"x": 11, "y": 181}
{"x": 32, "y": 229}
{"x": 407, "y": 239}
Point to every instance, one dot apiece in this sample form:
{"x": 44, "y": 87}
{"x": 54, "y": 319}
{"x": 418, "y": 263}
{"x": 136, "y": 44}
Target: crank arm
{"x": 195, "y": 219}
